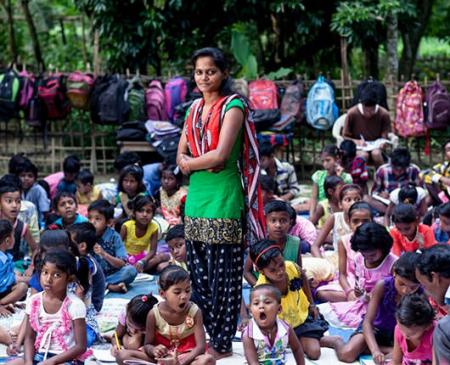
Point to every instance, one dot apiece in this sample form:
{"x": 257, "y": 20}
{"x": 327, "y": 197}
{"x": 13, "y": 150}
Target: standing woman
{"x": 223, "y": 207}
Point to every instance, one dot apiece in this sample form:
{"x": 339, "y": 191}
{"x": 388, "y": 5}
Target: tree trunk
{"x": 6, "y": 4}
{"x": 412, "y": 32}
{"x": 33, "y": 35}
{"x": 370, "y": 49}
{"x": 391, "y": 46}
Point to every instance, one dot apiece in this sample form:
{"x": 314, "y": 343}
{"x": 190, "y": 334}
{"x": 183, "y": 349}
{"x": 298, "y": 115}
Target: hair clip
{"x": 176, "y": 170}
{"x": 419, "y": 251}
{"x": 144, "y": 298}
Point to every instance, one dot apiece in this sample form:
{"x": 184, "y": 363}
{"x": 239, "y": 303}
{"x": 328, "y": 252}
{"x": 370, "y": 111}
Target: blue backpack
{"x": 321, "y": 109}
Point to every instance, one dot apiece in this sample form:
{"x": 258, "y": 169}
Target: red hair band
{"x": 264, "y": 251}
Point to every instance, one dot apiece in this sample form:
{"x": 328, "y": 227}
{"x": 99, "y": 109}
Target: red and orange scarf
{"x": 206, "y": 138}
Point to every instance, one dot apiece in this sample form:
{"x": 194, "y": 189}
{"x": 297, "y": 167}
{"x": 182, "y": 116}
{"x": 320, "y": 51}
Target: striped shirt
{"x": 385, "y": 180}
{"x": 286, "y": 178}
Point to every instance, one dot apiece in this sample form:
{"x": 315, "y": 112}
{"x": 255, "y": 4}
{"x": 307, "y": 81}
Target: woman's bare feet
{"x": 219, "y": 355}
{"x": 118, "y": 288}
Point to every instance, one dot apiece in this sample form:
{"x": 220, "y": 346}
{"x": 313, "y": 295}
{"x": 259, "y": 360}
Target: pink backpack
{"x": 263, "y": 94}
{"x": 409, "y": 121}
{"x": 27, "y": 90}
{"x": 79, "y": 86}
{"x": 175, "y": 92}
{"x": 155, "y": 101}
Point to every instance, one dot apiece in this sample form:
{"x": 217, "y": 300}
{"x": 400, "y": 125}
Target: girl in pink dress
{"x": 414, "y": 332}
{"x": 373, "y": 262}
{"x": 340, "y": 289}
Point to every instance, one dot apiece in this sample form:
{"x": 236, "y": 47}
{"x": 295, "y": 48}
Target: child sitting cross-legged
{"x": 109, "y": 251}
{"x": 297, "y": 306}
{"x": 130, "y": 330}
{"x": 266, "y": 336}
{"x": 10, "y": 290}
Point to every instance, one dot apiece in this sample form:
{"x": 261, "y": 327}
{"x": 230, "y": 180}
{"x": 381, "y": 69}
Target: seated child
{"x": 65, "y": 205}
{"x": 140, "y": 236}
{"x": 177, "y": 245}
{"x": 441, "y": 227}
{"x": 10, "y": 203}
{"x": 109, "y": 250}
{"x": 171, "y": 194}
{"x": 407, "y": 194}
{"x": 84, "y": 236}
{"x": 437, "y": 179}
{"x": 373, "y": 262}
{"x": 330, "y": 157}
{"x": 131, "y": 329}
{"x": 338, "y": 222}
{"x": 11, "y": 291}
{"x": 268, "y": 188}
{"x": 87, "y": 192}
{"x": 303, "y": 229}
{"x": 297, "y": 306}
{"x": 32, "y": 191}
{"x": 267, "y": 337}
{"x": 413, "y": 337}
{"x": 330, "y": 205}
{"x": 175, "y": 325}
{"x": 354, "y": 165}
{"x": 55, "y": 308}
{"x": 408, "y": 233}
{"x": 376, "y": 331}
{"x": 71, "y": 168}
{"x": 130, "y": 185}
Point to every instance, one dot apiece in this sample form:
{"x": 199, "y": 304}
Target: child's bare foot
{"x": 118, "y": 288}
{"x": 219, "y": 355}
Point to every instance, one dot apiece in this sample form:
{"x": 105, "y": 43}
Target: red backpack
{"x": 409, "y": 120}
{"x": 263, "y": 94}
{"x": 155, "y": 101}
{"x": 52, "y": 92}
{"x": 79, "y": 86}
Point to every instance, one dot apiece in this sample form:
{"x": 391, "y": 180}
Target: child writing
{"x": 86, "y": 191}
{"x": 131, "y": 329}
{"x": 175, "y": 325}
{"x": 297, "y": 306}
{"x": 373, "y": 262}
{"x": 172, "y": 194}
{"x": 376, "y": 331}
{"x": 330, "y": 205}
{"x": 130, "y": 186}
{"x": 341, "y": 289}
{"x": 55, "y": 324}
{"x": 407, "y": 194}
{"x": 65, "y": 205}
{"x": 10, "y": 203}
{"x": 177, "y": 245}
{"x": 354, "y": 165}
{"x": 11, "y": 291}
{"x": 408, "y": 233}
{"x": 266, "y": 337}
{"x": 140, "y": 236}
{"x": 413, "y": 337}
{"x": 71, "y": 168}
{"x": 109, "y": 250}
{"x": 330, "y": 157}
{"x": 338, "y": 222}
{"x": 84, "y": 236}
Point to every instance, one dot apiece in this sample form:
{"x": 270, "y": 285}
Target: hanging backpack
{"x": 112, "y": 106}
{"x": 409, "y": 120}
{"x": 321, "y": 109}
{"x": 175, "y": 93}
{"x": 27, "y": 90}
{"x": 79, "y": 86}
{"x": 240, "y": 86}
{"x": 9, "y": 94}
{"x": 379, "y": 89}
{"x": 155, "y": 101}
{"x": 52, "y": 92}
{"x": 263, "y": 94}
{"x": 35, "y": 110}
{"x": 437, "y": 106}
{"x": 101, "y": 83}
{"x": 293, "y": 102}
{"x": 135, "y": 96}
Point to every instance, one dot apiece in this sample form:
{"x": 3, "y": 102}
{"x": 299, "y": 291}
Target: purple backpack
{"x": 27, "y": 90}
{"x": 437, "y": 103}
{"x": 155, "y": 101}
{"x": 175, "y": 90}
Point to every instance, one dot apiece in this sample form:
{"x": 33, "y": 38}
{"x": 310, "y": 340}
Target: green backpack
{"x": 135, "y": 96}
{"x": 9, "y": 94}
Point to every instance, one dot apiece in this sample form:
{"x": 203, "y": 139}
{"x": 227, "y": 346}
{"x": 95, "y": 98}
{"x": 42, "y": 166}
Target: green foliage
{"x": 279, "y": 74}
{"x": 240, "y": 47}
